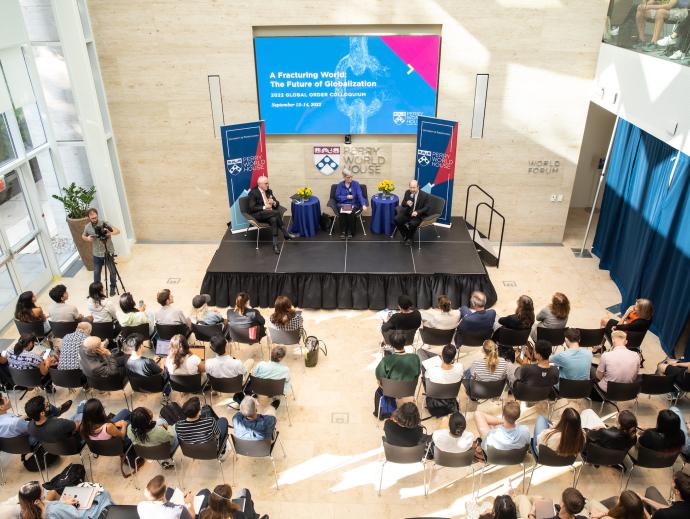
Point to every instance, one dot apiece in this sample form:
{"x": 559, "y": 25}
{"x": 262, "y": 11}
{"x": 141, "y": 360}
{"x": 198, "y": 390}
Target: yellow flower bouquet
{"x": 304, "y": 193}
{"x": 386, "y": 187}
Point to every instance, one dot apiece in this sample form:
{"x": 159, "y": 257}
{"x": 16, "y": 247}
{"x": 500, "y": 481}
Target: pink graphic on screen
{"x": 422, "y": 52}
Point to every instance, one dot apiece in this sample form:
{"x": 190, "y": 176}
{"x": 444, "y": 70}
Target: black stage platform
{"x": 366, "y": 272}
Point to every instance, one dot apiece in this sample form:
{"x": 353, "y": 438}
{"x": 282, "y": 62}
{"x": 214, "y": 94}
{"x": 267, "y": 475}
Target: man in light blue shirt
{"x": 575, "y": 362}
{"x": 11, "y": 425}
{"x": 501, "y": 432}
{"x": 274, "y": 370}
{"x": 248, "y": 424}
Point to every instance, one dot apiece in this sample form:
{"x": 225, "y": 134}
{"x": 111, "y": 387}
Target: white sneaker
{"x": 677, "y": 55}
{"x": 666, "y": 41}
{"x": 234, "y": 405}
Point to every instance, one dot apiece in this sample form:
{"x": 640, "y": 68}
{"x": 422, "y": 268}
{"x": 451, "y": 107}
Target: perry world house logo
{"x": 423, "y": 157}
{"x": 234, "y": 166}
{"x": 326, "y": 158}
{"x": 399, "y": 117}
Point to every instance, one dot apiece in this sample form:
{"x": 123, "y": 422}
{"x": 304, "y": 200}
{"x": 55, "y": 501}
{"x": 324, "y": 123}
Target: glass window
{"x": 39, "y": 20}
{"x": 75, "y": 165}
{"x": 6, "y": 148}
{"x": 29, "y": 264}
{"x": 30, "y": 126}
{"x": 52, "y": 69}
{"x": 14, "y": 213}
{"x": 7, "y": 289}
{"x": 53, "y": 210}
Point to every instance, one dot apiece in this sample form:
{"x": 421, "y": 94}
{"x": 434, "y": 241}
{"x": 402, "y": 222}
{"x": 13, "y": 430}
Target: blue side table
{"x": 305, "y": 217}
{"x": 383, "y": 214}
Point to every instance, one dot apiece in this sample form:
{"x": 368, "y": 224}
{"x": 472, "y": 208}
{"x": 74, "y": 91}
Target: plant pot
{"x": 76, "y": 227}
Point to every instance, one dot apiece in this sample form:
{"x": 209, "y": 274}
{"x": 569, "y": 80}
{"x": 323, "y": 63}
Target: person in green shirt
{"x": 145, "y": 431}
{"x": 398, "y": 365}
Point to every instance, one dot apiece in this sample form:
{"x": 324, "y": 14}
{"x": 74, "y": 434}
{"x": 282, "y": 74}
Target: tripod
{"x": 109, "y": 267}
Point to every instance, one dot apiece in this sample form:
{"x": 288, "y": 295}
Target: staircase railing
{"x": 491, "y": 218}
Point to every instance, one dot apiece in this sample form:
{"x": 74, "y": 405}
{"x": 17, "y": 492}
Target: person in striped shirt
{"x": 201, "y": 425}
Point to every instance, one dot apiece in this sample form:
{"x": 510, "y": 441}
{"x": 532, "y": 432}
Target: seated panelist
{"x": 264, "y": 208}
{"x": 413, "y": 208}
{"x": 349, "y": 198}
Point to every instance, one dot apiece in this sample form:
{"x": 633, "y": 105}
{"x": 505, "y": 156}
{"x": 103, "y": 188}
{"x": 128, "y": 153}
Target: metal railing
{"x": 491, "y": 219}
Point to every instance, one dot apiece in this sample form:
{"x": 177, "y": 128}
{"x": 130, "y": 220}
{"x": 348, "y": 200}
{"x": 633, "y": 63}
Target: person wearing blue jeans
{"x": 99, "y": 246}
{"x": 541, "y": 425}
{"x": 683, "y": 427}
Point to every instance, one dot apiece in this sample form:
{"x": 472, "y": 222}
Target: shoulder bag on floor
{"x": 313, "y": 345}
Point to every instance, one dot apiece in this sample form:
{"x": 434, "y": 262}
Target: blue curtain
{"x": 643, "y": 235}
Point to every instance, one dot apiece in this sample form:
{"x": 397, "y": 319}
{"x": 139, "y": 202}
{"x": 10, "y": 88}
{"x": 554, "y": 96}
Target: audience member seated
{"x": 275, "y": 370}
{"x": 627, "y": 506}
{"x": 140, "y": 365}
{"x": 673, "y": 368}
{"x": 34, "y": 503}
{"x": 71, "y": 346}
{"x": 617, "y": 365}
{"x": 667, "y": 438}
{"x": 620, "y": 437}
{"x": 502, "y": 507}
{"x": 455, "y": 438}
{"x": 475, "y": 319}
{"x": 97, "y": 361}
{"x": 11, "y": 425}
{"x": 679, "y": 508}
{"x": 657, "y": 11}
{"x": 555, "y": 315}
{"x": 244, "y": 316}
{"x": 540, "y": 374}
{"x": 26, "y": 311}
{"x": 488, "y": 369}
{"x": 248, "y": 424}
{"x": 565, "y": 438}
{"x": 684, "y": 427}
{"x": 406, "y": 318}
{"x": 399, "y": 365}
{"x": 285, "y": 316}
{"x": 442, "y": 370}
{"x": 130, "y": 315}
{"x": 20, "y": 357}
{"x": 202, "y": 314}
{"x": 574, "y": 363}
{"x": 522, "y": 319}
{"x": 158, "y": 504}
{"x": 637, "y": 318}
{"x": 502, "y": 433}
{"x": 227, "y": 366}
{"x": 201, "y": 425}
{"x": 404, "y": 427}
{"x": 442, "y": 319}
{"x": 181, "y": 361}
{"x": 95, "y": 425}
{"x": 144, "y": 430}
{"x": 47, "y": 426}
{"x": 60, "y": 311}
{"x": 572, "y": 503}
{"x": 102, "y": 310}
{"x": 168, "y": 314}
{"x": 219, "y": 504}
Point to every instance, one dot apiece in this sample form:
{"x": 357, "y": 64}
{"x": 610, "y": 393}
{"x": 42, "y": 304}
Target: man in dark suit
{"x": 264, "y": 208}
{"x": 476, "y": 318}
{"x": 414, "y": 207}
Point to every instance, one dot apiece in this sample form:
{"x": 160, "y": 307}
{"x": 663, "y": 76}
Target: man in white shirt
{"x": 227, "y": 366}
{"x": 443, "y": 369}
{"x": 619, "y": 364}
{"x": 167, "y": 313}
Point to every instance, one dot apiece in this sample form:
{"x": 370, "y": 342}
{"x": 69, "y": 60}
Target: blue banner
{"x": 437, "y": 141}
{"x": 244, "y": 152}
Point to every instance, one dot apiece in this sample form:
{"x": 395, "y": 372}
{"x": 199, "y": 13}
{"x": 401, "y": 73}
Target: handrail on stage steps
{"x": 491, "y": 216}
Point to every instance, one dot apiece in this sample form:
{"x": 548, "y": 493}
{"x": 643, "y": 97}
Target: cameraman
{"x": 99, "y": 233}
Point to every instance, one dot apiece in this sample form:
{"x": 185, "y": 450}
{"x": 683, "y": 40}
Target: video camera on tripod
{"x": 101, "y": 231}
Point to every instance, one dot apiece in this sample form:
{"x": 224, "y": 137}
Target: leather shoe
{"x": 290, "y": 236}
{"x": 64, "y": 407}
{"x": 408, "y": 242}
{"x": 276, "y": 249}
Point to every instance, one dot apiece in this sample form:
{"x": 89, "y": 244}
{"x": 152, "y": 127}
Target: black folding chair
{"x": 409, "y": 336}
{"x": 207, "y": 450}
{"x": 66, "y": 447}
{"x": 115, "y": 382}
{"x": 507, "y": 338}
{"x": 141, "y": 329}
{"x": 189, "y": 384}
{"x": 255, "y": 225}
{"x": 17, "y": 445}
{"x": 573, "y": 390}
{"x": 153, "y": 384}
{"x": 649, "y": 459}
{"x": 272, "y": 388}
{"x": 483, "y": 391}
{"x": 451, "y": 460}
{"x": 658, "y": 385}
{"x": 435, "y": 337}
{"x": 256, "y": 449}
{"x": 225, "y": 385}
{"x": 591, "y": 337}
{"x": 110, "y": 448}
{"x": 34, "y": 328}
{"x": 549, "y": 458}
{"x": 285, "y": 338}
{"x": 555, "y": 336}
{"x": 471, "y": 339}
{"x": 404, "y": 455}
{"x": 28, "y": 379}
{"x": 105, "y": 331}
{"x": 597, "y": 456}
{"x": 396, "y": 389}
{"x": 635, "y": 341}
{"x": 504, "y": 458}
{"x": 527, "y": 393}
{"x": 67, "y": 378}
{"x": 619, "y": 392}
{"x": 333, "y": 207}
{"x": 168, "y": 331}
{"x": 240, "y": 335}
{"x": 441, "y": 391}
{"x": 122, "y": 512}
{"x": 61, "y": 328}
{"x": 158, "y": 453}
{"x": 204, "y": 332}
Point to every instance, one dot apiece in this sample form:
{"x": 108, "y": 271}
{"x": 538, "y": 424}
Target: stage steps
{"x": 486, "y": 248}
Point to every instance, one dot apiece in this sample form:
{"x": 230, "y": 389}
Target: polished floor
{"x": 333, "y": 446}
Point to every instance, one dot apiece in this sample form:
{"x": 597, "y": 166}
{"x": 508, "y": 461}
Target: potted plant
{"x": 386, "y": 187}
{"x": 76, "y": 201}
{"x": 304, "y": 193}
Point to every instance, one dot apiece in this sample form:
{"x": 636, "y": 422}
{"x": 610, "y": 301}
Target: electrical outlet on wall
{"x": 553, "y": 197}
{"x": 559, "y": 198}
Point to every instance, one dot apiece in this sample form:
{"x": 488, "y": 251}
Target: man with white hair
{"x": 97, "y": 361}
{"x": 248, "y": 424}
{"x": 71, "y": 343}
{"x": 264, "y": 208}
{"x": 413, "y": 208}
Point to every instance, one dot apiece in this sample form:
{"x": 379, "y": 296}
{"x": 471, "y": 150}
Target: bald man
{"x": 414, "y": 207}
{"x": 264, "y": 208}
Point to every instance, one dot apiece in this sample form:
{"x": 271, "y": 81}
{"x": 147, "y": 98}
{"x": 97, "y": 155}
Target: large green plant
{"x": 76, "y": 200}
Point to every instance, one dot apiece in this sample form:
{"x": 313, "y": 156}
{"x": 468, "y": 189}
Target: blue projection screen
{"x": 346, "y": 84}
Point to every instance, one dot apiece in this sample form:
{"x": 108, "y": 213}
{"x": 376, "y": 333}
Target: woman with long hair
{"x": 242, "y": 315}
{"x": 21, "y": 357}
{"x": 180, "y": 360}
{"x": 621, "y": 436}
{"x": 491, "y": 367}
{"x": 145, "y": 431}
{"x": 35, "y": 504}
{"x": 667, "y": 437}
{"x": 522, "y": 319}
{"x": 566, "y": 438}
{"x": 503, "y": 508}
{"x": 285, "y": 317}
{"x": 404, "y": 427}
{"x": 26, "y": 310}
{"x": 95, "y": 425}
{"x": 102, "y": 310}
{"x": 628, "y": 506}
{"x": 218, "y": 504}
{"x": 637, "y": 318}
{"x": 130, "y": 314}
{"x": 555, "y": 315}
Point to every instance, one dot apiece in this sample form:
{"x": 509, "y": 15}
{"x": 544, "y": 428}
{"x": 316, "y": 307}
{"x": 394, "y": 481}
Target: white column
{"x": 86, "y": 100}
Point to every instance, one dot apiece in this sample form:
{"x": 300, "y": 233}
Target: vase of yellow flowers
{"x": 304, "y": 193}
{"x": 386, "y": 187}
